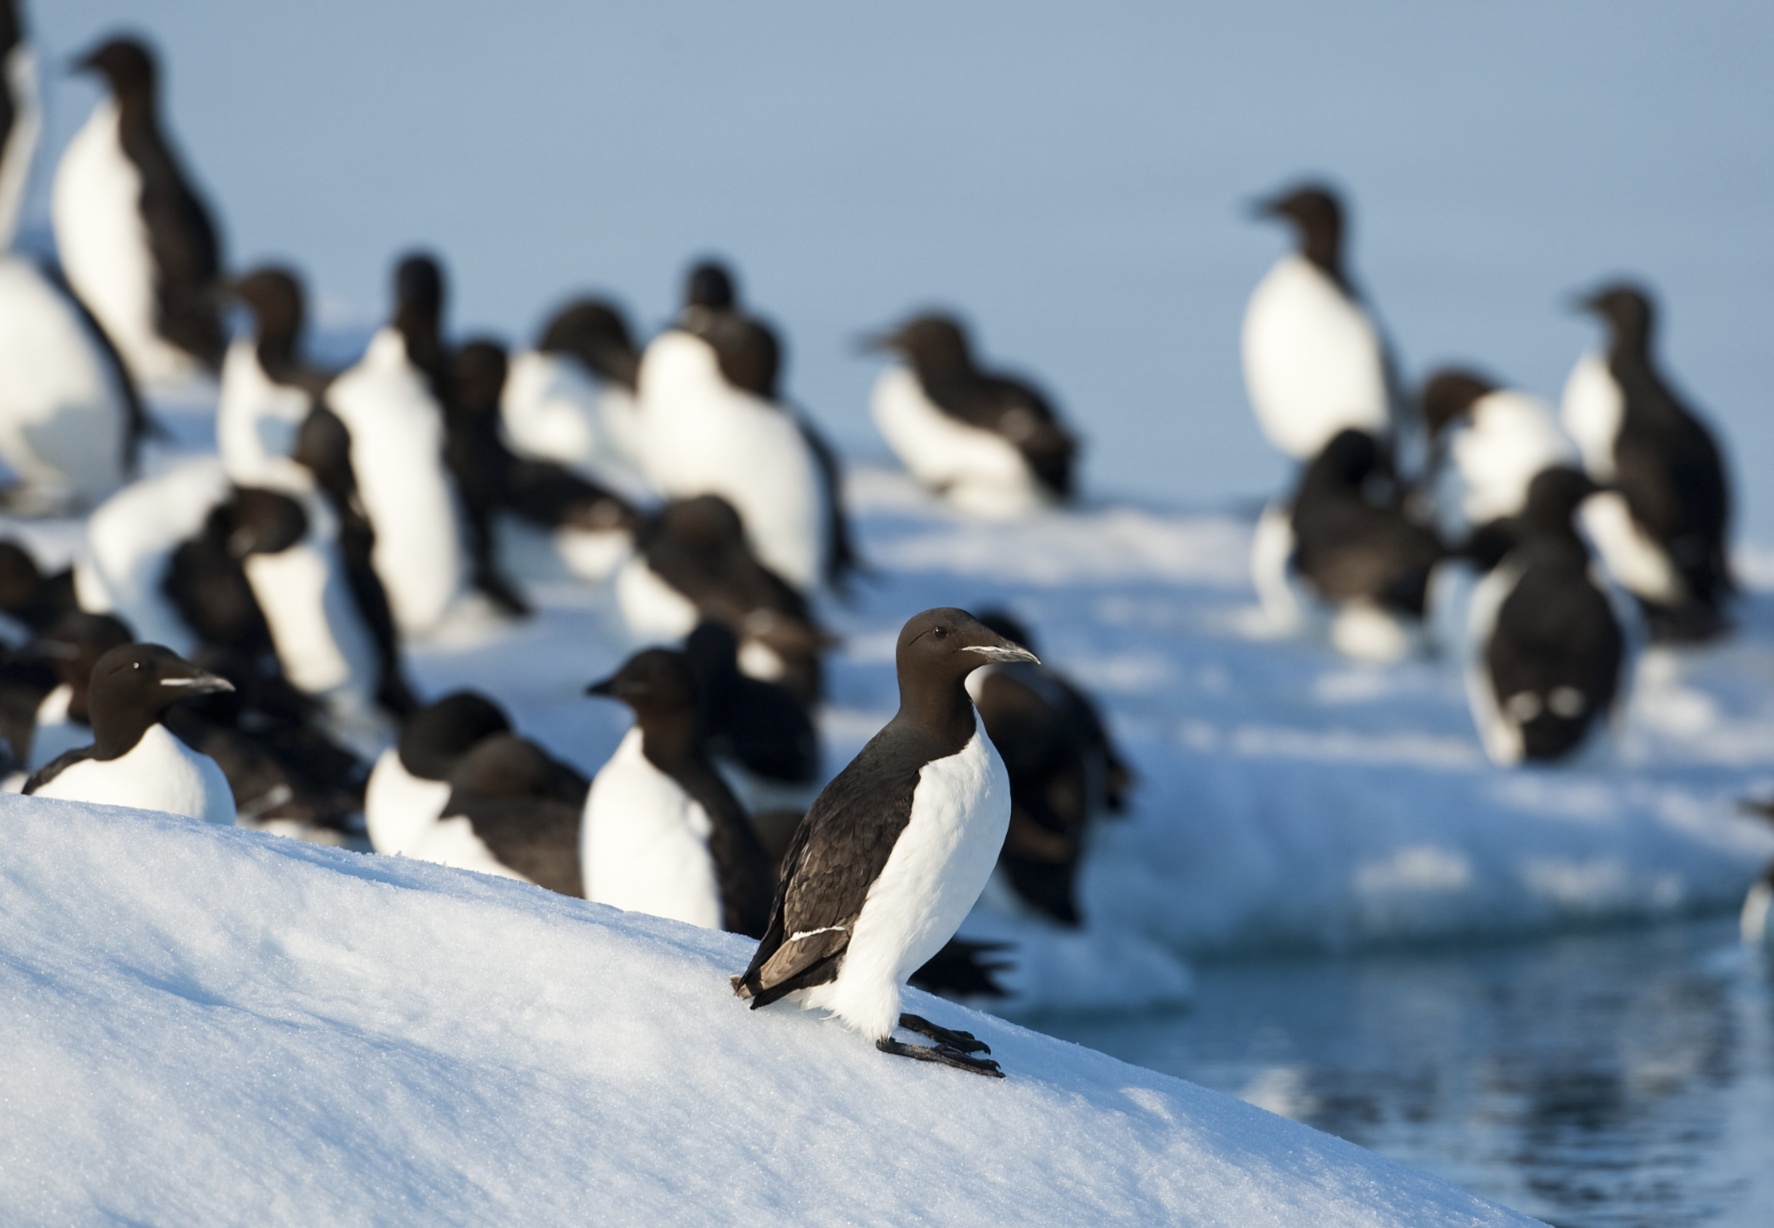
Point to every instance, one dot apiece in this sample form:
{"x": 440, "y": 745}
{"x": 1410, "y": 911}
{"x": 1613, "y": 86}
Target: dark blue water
{"x": 1615, "y": 1078}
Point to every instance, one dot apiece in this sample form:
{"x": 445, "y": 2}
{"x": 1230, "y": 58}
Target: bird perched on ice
{"x": 663, "y": 834}
{"x": 1314, "y": 360}
{"x": 133, "y": 759}
{"x": 1548, "y": 648}
{"x": 393, "y": 405}
{"x": 713, "y": 423}
{"x": 135, "y": 238}
{"x": 990, "y": 442}
{"x": 895, "y": 851}
{"x": 1487, "y": 444}
{"x": 1663, "y": 530}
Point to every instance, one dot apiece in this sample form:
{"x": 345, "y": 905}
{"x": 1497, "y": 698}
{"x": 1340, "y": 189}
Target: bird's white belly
{"x": 979, "y": 469}
{"x": 104, "y": 249}
{"x": 1511, "y": 439}
{"x": 451, "y": 842}
{"x": 705, "y": 437}
{"x": 1635, "y": 559}
{"x": 397, "y": 442}
{"x": 130, "y": 539}
{"x": 644, "y": 842}
{"x": 257, "y": 421}
{"x": 398, "y": 807}
{"x": 653, "y": 610}
{"x": 1592, "y": 407}
{"x": 551, "y": 410}
{"x": 1313, "y": 364}
{"x": 62, "y": 416}
{"x": 159, "y": 773}
{"x": 939, "y": 865}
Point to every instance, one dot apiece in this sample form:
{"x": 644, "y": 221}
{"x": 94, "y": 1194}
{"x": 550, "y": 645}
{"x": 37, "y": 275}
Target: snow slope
{"x": 214, "y": 1026}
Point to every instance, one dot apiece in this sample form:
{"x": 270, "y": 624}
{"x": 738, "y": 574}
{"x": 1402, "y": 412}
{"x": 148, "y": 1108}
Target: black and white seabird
{"x": 135, "y": 239}
{"x": 1548, "y": 649}
{"x": 571, "y": 399}
{"x": 895, "y": 851}
{"x": 714, "y": 423}
{"x": 393, "y": 404}
{"x": 513, "y": 810}
{"x": 694, "y": 563}
{"x": 63, "y": 719}
{"x": 1065, "y": 773}
{"x": 410, "y": 783}
{"x": 989, "y": 441}
{"x": 663, "y": 834}
{"x": 133, "y": 759}
{"x": 267, "y": 389}
{"x": 1314, "y": 360}
{"x": 1487, "y": 443}
{"x": 1663, "y": 528}
{"x": 1356, "y": 549}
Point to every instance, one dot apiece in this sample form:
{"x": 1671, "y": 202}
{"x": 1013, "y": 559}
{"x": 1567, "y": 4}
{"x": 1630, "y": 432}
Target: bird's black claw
{"x": 948, "y": 1038}
{"x": 942, "y": 1055}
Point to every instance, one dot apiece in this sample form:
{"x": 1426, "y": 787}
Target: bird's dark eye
{"x": 941, "y": 633}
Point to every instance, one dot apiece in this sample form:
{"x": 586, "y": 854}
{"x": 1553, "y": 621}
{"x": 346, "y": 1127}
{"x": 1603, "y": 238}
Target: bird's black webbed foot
{"x": 942, "y": 1055}
{"x": 948, "y": 1038}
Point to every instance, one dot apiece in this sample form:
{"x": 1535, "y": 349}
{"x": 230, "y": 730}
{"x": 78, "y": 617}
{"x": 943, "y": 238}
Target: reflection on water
{"x": 1619, "y": 1078}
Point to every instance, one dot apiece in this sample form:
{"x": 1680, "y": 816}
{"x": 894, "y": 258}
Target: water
{"x": 1598, "y": 1079}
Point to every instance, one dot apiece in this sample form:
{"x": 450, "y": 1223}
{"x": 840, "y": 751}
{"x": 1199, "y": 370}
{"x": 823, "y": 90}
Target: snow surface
{"x": 211, "y": 1026}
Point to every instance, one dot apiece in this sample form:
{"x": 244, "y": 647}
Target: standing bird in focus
{"x": 895, "y": 851}
{"x": 663, "y": 834}
{"x": 990, "y": 442}
{"x": 134, "y": 760}
{"x": 135, "y": 239}
{"x": 1548, "y": 649}
{"x": 1663, "y": 528}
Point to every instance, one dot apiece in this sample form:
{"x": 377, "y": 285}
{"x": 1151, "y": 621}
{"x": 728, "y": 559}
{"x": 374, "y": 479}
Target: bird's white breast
{"x": 62, "y": 415}
{"x": 256, "y": 423}
{"x": 397, "y": 445}
{"x": 1592, "y": 408}
{"x": 552, "y": 410}
{"x": 980, "y": 470}
{"x": 55, "y": 731}
{"x": 703, "y": 436}
{"x": 159, "y": 773}
{"x": 103, "y": 244}
{"x": 653, "y": 610}
{"x": 451, "y": 842}
{"x": 932, "y": 878}
{"x": 398, "y": 807}
{"x": 1633, "y": 557}
{"x": 1511, "y": 438}
{"x": 1313, "y": 363}
{"x": 644, "y": 842}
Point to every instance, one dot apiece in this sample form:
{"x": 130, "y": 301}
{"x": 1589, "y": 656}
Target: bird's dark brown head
{"x": 595, "y": 332}
{"x": 1316, "y": 214}
{"x": 1626, "y": 308}
{"x": 656, "y": 681}
{"x": 1449, "y": 395}
{"x": 273, "y": 294}
{"x": 947, "y": 644}
{"x": 933, "y": 343}
{"x": 125, "y": 63}
{"x": 481, "y": 367}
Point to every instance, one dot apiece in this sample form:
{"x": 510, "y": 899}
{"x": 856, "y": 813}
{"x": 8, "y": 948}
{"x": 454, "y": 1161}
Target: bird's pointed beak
{"x": 605, "y": 687}
{"x": 1003, "y": 652}
{"x": 200, "y": 683}
{"x": 876, "y": 343}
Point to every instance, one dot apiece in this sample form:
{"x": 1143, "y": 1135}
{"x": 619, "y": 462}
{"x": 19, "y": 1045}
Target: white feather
{"x": 1634, "y": 559}
{"x": 934, "y": 875}
{"x": 55, "y": 731}
{"x": 703, "y": 436}
{"x": 104, "y": 249}
{"x": 130, "y": 539}
{"x": 399, "y": 807}
{"x": 1313, "y": 363}
{"x": 552, "y": 410}
{"x": 256, "y": 423}
{"x": 1511, "y": 438}
{"x": 63, "y": 417}
{"x": 159, "y": 773}
{"x": 20, "y": 82}
{"x": 644, "y": 842}
{"x": 397, "y": 446}
{"x": 1592, "y": 408}
{"x": 451, "y": 842}
{"x": 980, "y": 470}
{"x": 653, "y": 610}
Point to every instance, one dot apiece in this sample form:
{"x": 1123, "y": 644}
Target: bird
{"x": 392, "y": 404}
{"x": 1065, "y": 773}
{"x": 21, "y": 117}
{"x": 693, "y": 562}
{"x": 1548, "y": 649}
{"x": 571, "y": 398}
{"x": 662, "y": 832}
{"x": 895, "y": 851}
{"x": 990, "y": 442}
{"x": 513, "y": 810}
{"x": 713, "y": 423}
{"x": 1488, "y": 443}
{"x": 63, "y": 719}
{"x": 760, "y": 734}
{"x": 133, "y": 759}
{"x": 1663, "y": 528}
{"x": 1314, "y": 359}
{"x": 1356, "y": 549}
{"x": 409, "y": 784}
{"x": 267, "y": 391}
{"x": 589, "y": 528}
{"x": 135, "y": 238}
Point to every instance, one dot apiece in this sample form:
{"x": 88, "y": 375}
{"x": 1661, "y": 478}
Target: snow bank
{"x": 207, "y": 1025}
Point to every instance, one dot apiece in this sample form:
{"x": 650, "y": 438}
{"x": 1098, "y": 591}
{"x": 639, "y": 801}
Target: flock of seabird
{"x": 229, "y": 642}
